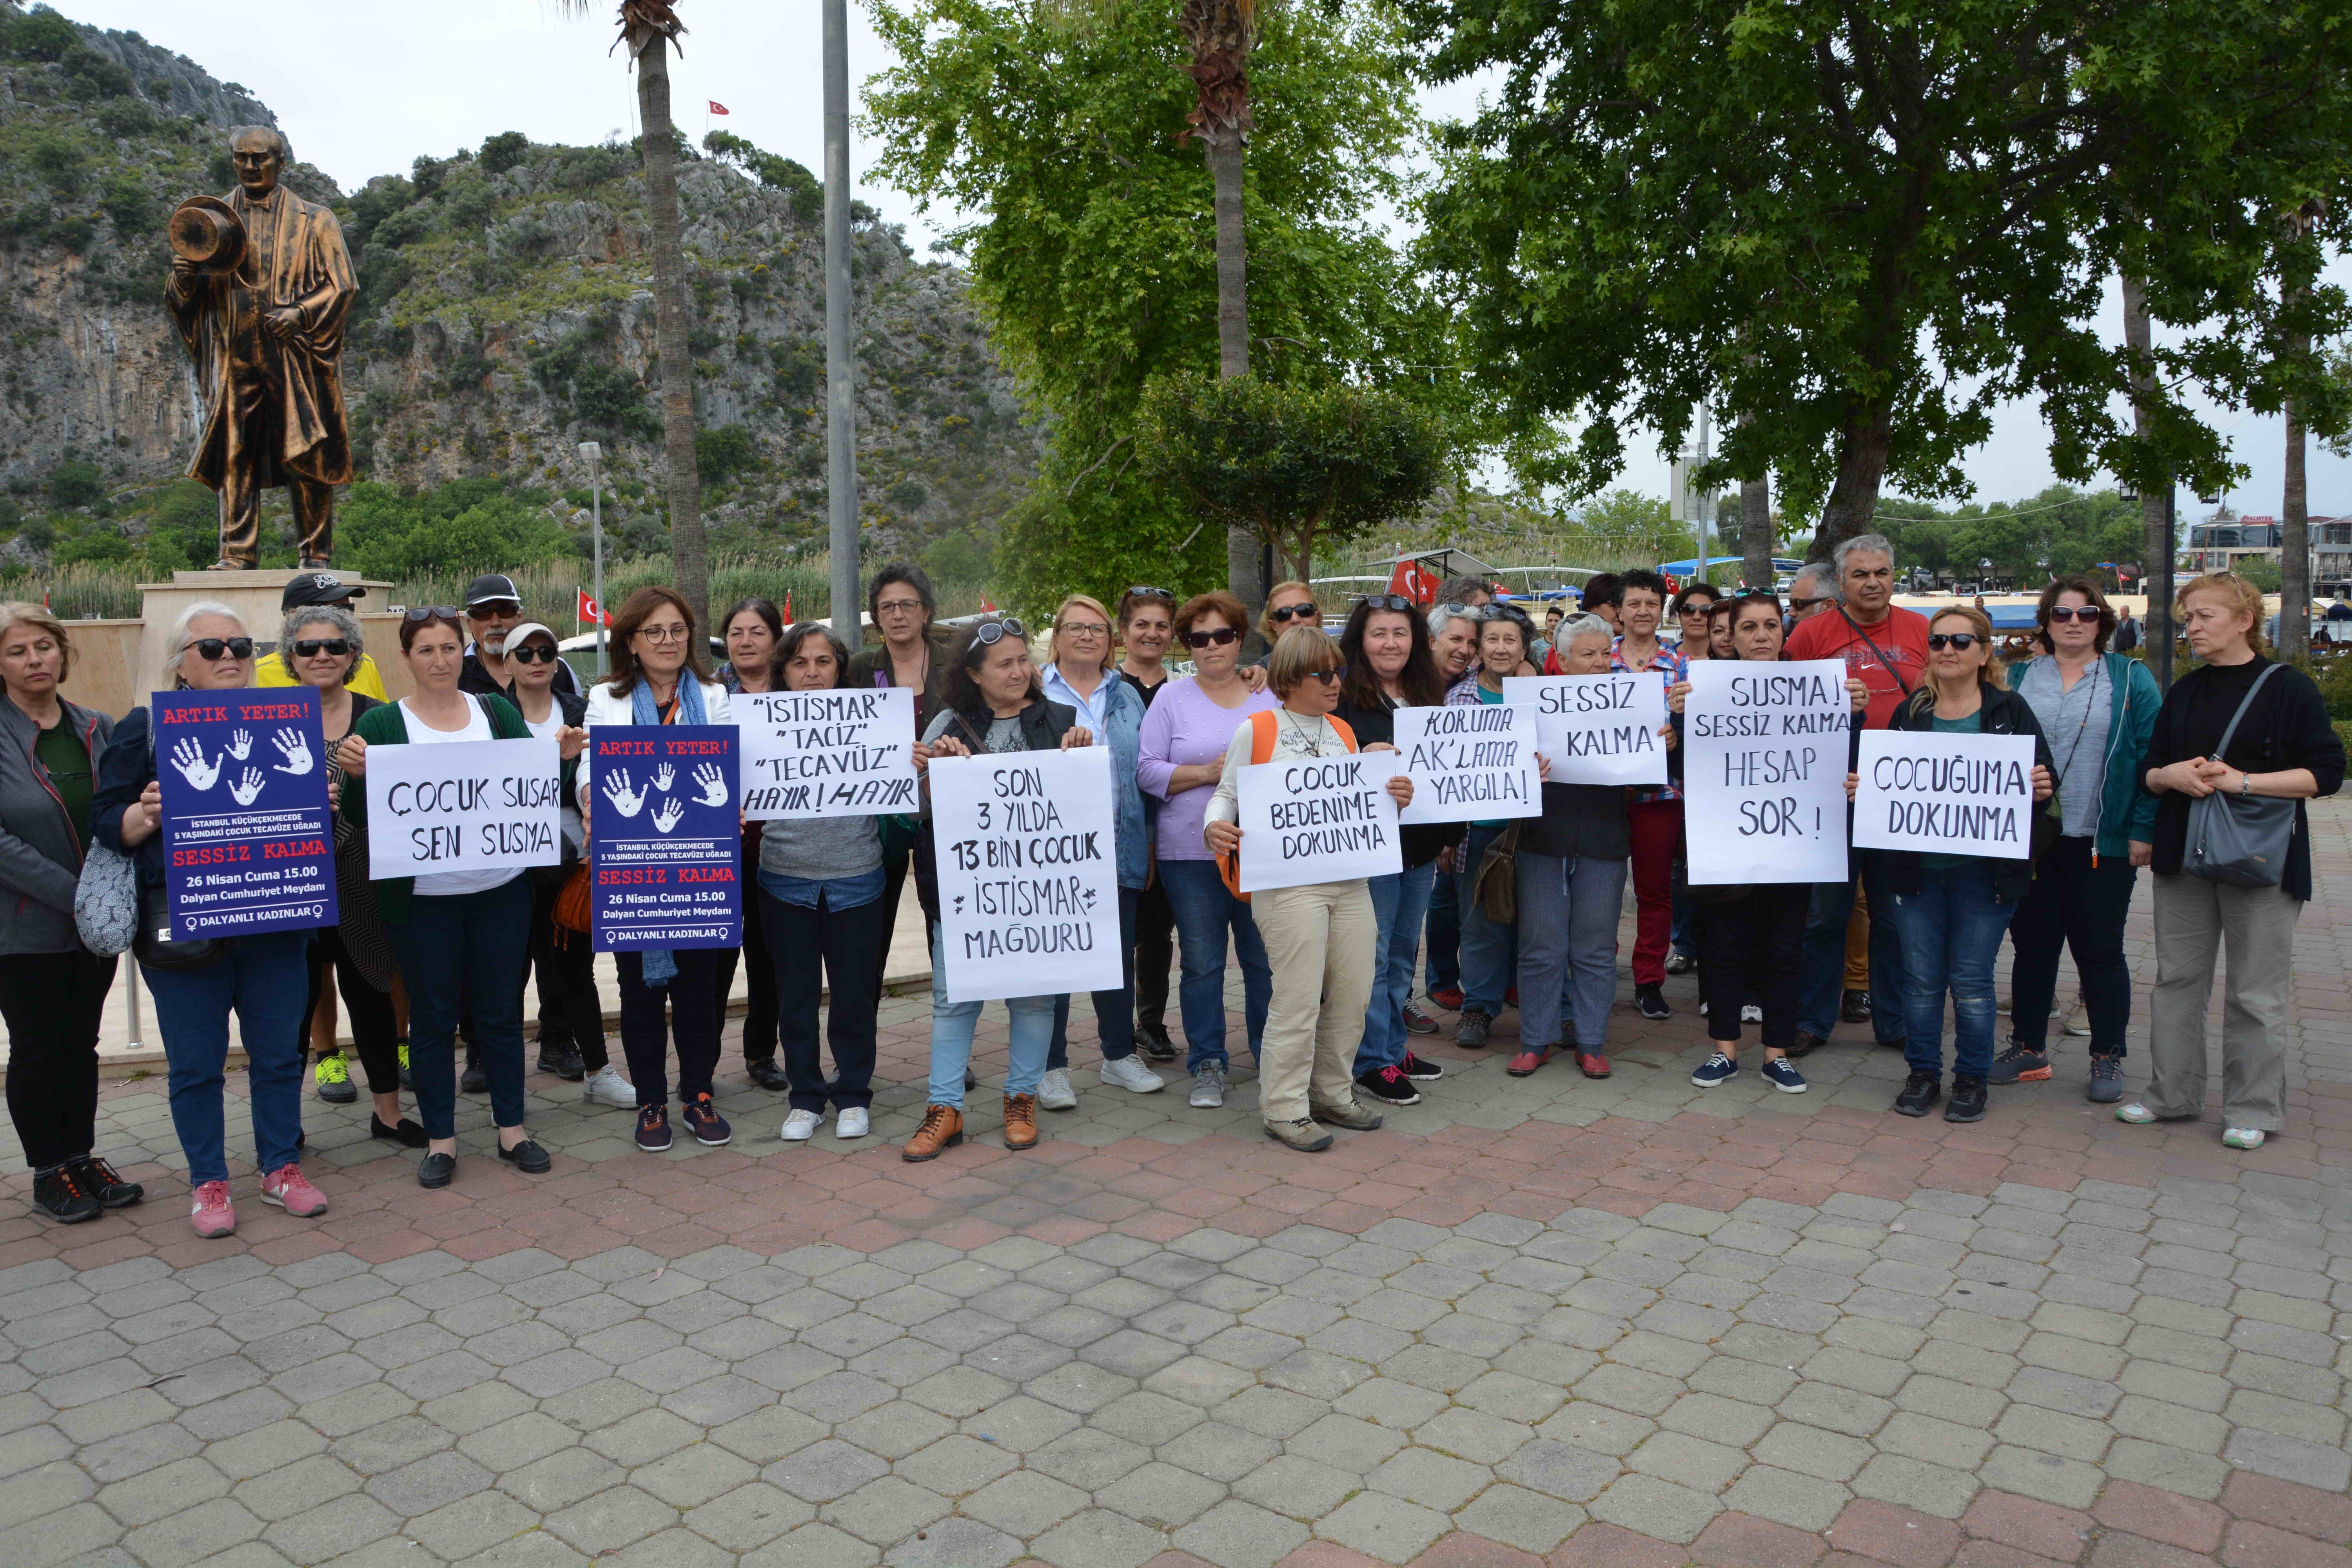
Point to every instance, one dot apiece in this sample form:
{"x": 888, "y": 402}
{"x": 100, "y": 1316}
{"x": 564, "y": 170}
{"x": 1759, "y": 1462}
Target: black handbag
{"x": 153, "y": 946}
{"x": 2239, "y": 840}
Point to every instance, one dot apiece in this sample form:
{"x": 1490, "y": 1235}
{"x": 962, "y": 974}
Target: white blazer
{"x": 607, "y": 705}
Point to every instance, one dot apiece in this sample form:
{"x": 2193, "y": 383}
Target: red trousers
{"x": 1657, "y": 828}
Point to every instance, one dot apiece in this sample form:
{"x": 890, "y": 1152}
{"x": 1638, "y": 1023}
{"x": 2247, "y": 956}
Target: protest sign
{"x": 1322, "y": 819}
{"x": 1028, "y": 870}
{"x": 463, "y": 806}
{"x": 665, "y": 841}
{"x": 1468, "y": 765}
{"x": 1598, "y": 729}
{"x": 1764, "y": 764}
{"x": 848, "y": 753}
{"x": 248, "y": 839}
{"x": 1945, "y": 794}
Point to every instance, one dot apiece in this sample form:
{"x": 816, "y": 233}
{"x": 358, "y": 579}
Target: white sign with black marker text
{"x": 1598, "y": 729}
{"x": 1764, "y": 766}
{"x": 1945, "y": 794}
{"x": 845, "y": 753}
{"x": 1318, "y": 819}
{"x": 1468, "y": 765}
{"x": 1028, "y": 865}
{"x": 463, "y": 806}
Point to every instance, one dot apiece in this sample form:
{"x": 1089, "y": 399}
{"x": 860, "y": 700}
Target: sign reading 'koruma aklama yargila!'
{"x": 1764, "y": 763}
{"x": 1028, "y": 867}
{"x": 1318, "y": 819}
{"x": 1598, "y": 729}
{"x": 1945, "y": 795}
{"x": 848, "y": 753}
{"x": 1468, "y": 765}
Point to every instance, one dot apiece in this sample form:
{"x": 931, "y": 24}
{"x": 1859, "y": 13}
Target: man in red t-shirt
{"x": 1886, "y": 650}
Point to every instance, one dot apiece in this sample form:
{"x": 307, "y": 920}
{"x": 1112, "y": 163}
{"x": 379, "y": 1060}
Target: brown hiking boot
{"x": 1302, "y": 1135}
{"x": 1355, "y": 1115}
{"x": 1019, "y": 1121}
{"x": 942, "y": 1128}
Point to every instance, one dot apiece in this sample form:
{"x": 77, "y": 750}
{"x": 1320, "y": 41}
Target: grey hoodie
{"x": 40, "y": 857}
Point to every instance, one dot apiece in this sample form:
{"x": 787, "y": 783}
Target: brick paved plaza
{"x": 1539, "y": 1320}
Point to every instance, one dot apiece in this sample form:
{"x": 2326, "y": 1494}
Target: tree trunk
{"x": 2295, "y": 532}
{"x": 2155, "y": 507}
{"x": 1755, "y": 533}
{"x": 683, "y": 488}
{"x": 1853, "y": 499}
{"x": 1222, "y": 146}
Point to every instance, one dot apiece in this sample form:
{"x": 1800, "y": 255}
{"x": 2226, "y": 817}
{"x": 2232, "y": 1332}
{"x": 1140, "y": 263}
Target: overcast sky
{"x": 363, "y": 89}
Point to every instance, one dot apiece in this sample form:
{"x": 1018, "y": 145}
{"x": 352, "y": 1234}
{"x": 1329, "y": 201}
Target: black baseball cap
{"x": 318, "y": 588}
{"x": 491, "y": 586}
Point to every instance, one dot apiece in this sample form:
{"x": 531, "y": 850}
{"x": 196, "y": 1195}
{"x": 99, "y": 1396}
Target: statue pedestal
{"x": 255, "y": 596}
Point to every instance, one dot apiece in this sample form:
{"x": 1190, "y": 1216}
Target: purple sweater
{"x": 1185, "y": 729}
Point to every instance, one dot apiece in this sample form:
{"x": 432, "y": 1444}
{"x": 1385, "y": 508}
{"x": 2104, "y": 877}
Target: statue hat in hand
{"x": 207, "y": 231}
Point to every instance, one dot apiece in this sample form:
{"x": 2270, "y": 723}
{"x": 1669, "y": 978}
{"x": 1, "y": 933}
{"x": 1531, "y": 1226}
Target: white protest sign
{"x": 1468, "y": 765}
{"x": 1764, "y": 764}
{"x": 848, "y": 753}
{"x": 463, "y": 806}
{"x": 1318, "y": 819}
{"x": 1598, "y": 729}
{"x": 1028, "y": 865}
{"x": 1945, "y": 794}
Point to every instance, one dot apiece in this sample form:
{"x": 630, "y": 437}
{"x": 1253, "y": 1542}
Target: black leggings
{"x": 570, "y": 1011}
{"x": 1749, "y": 947}
{"x": 372, "y": 1027}
{"x": 53, "y": 1002}
{"x": 692, "y": 1004}
{"x": 1155, "y": 955}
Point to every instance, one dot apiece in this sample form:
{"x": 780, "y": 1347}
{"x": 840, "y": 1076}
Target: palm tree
{"x": 650, "y": 29}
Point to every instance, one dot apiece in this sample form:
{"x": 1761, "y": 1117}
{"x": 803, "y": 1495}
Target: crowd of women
{"x": 1519, "y": 913}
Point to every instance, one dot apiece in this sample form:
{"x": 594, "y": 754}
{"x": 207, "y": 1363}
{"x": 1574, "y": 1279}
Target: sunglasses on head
{"x": 988, "y": 634}
{"x": 1217, "y": 638}
{"x": 532, "y": 653}
{"x": 1144, "y": 591}
{"x": 312, "y": 648}
{"x": 1963, "y": 641}
{"x": 2074, "y": 613}
{"x": 1390, "y": 602}
{"x": 1283, "y": 615}
{"x": 430, "y": 613}
{"x": 213, "y": 650}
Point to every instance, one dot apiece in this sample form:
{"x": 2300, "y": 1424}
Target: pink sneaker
{"x": 214, "y": 1214}
{"x": 292, "y": 1190}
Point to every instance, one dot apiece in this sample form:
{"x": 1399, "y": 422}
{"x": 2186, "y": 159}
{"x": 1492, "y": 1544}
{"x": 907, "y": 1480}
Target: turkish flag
{"x": 590, "y": 612}
{"x": 1415, "y": 584}
{"x": 716, "y": 106}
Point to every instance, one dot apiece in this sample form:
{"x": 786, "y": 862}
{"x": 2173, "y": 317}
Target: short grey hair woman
{"x": 346, "y": 624}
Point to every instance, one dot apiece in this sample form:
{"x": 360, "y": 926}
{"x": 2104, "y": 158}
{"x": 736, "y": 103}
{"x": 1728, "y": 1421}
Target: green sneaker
{"x": 404, "y": 1066}
{"x": 333, "y": 1079}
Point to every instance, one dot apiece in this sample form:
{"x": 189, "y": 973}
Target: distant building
{"x": 2221, "y": 545}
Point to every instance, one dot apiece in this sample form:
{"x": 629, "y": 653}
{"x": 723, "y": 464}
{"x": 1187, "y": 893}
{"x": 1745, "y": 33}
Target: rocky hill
{"x": 506, "y": 313}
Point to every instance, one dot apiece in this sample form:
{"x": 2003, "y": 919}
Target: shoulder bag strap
{"x": 2226, "y": 735}
{"x": 1888, "y": 665}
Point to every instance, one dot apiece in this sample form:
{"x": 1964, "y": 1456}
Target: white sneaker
{"x": 2137, "y": 1113}
{"x": 1054, "y": 1091}
{"x": 851, "y": 1122}
{"x": 2243, "y": 1138}
{"x": 1131, "y": 1074}
{"x": 800, "y": 1126}
{"x": 606, "y": 1086}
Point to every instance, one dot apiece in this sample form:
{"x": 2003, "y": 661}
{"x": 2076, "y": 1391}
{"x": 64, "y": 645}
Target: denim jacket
{"x": 1124, "y": 736}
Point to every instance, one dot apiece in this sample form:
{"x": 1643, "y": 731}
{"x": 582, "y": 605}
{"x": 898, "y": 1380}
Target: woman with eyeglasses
{"x": 1385, "y": 652}
{"x": 1953, "y": 909}
{"x": 752, "y": 630}
{"x": 658, "y": 678}
{"x": 991, "y": 703}
{"x": 1083, "y": 678}
{"x": 2099, "y": 709}
{"x": 260, "y": 978}
{"x": 462, "y": 937}
{"x": 1489, "y": 948}
{"x": 321, "y": 645}
{"x": 1321, "y": 940}
{"x": 1147, "y": 626}
{"x": 915, "y": 654}
{"x": 1182, "y": 756}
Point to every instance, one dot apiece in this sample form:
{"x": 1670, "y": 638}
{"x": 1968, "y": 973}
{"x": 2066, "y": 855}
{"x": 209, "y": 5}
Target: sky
{"x": 363, "y": 90}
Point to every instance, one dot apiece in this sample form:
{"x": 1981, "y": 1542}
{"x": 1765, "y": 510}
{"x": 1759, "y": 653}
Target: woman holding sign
{"x": 463, "y": 938}
{"x": 1489, "y": 947}
{"x": 991, "y": 702}
{"x": 1953, "y": 909}
{"x": 259, "y": 977}
{"x": 2247, "y": 727}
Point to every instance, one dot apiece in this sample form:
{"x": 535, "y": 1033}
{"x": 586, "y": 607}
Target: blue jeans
{"x": 1114, "y": 1010}
{"x": 1490, "y": 950}
{"x": 1568, "y": 929}
{"x": 466, "y": 954}
{"x": 1821, "y": 986}
{"x": 953, "y": 1024}
{"x": 1205, "y": 911}
{"x": 266, "y": 980}
{"x": 1445, "y": 933}
{"x": 1951, "y": 939}
{"x": 1399, "y": 902}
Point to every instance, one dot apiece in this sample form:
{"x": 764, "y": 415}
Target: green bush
{"x": 722, "y": 453}
{"x": 503, "y": 152}
{"x": 76, "y": 484}
{"x": 42, "y": 35}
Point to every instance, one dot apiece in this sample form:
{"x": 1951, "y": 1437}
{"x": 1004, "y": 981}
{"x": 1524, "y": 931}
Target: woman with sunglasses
{"x": 2099, "y": 709}
{"x": 752, "y": 629}
{"x": 1083, "y": 679}
{"x": 260, "y": 978}
{"x": 321, "y": 645}
{"x": 1952, "y": 910}
{"x": 1182, "y": 756}
{"x": 992, "y": 703}
{"x": 1146, "y": 623}
{"x": 1691, "y": 608}
{"x": 462, "y": 937}
{"x": 1489, "y": 948}
{"x": 1289, "y": 604}
{"x": 1321, "y": 939}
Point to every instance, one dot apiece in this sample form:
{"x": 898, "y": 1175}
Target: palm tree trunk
{"x": 1756, "y": 531}
{"x": 690, "y": 564}
{"x": 1222, "y": 144}
{"x": 2155, "y": 505}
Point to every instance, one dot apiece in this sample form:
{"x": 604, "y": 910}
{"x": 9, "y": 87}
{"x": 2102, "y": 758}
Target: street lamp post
{"x": 593, "y": 453}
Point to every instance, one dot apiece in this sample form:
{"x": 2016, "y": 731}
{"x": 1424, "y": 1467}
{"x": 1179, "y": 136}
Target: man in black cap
{"x": 494, "y": 608}
{"x": 307, "y": 589}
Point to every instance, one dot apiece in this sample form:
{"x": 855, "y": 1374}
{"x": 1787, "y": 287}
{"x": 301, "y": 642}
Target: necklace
{"x": 2098, "y": 673}
{"x": 1307, "y": 738}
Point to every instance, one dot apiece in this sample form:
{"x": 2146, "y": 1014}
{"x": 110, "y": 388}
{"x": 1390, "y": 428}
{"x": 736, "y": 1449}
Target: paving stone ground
{"x": 1541, "y": 1321}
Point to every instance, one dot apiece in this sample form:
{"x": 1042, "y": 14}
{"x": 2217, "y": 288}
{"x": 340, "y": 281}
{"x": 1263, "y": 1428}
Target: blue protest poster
{"x": 665, "y": 836}
{"x": 248, "y": 839}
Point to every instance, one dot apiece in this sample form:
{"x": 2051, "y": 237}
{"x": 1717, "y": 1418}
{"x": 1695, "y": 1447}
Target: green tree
{"x": 76, "y": 484}
{"x": 772, "y": 170}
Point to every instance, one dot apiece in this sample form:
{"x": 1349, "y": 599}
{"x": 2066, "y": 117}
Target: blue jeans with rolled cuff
{"x": 953, "y": 1025}
{"x": 264, "y": 979}
{"x": 1951, "y": 939}
{"x": 1205, "y": 914}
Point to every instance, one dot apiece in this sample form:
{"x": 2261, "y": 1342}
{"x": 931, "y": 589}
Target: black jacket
{"x": 2004, "y": 713}
{"x": 474, "y": 677}
{"x": 1579, "y": 822}
{"x": 2287, "y": 727}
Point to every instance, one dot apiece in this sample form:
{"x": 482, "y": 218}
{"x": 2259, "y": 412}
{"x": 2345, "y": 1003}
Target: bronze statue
{"x": 260, "y": 284}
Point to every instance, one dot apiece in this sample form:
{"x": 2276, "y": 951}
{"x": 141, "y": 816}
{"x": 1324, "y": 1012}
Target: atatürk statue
{"x": 260, "y": 284}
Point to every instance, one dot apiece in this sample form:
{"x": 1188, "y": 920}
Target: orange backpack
{"x": 1263, "y": 730}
